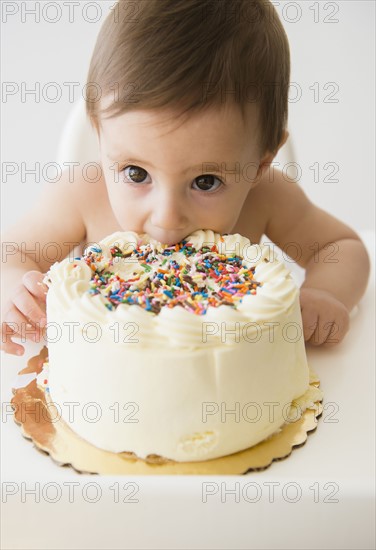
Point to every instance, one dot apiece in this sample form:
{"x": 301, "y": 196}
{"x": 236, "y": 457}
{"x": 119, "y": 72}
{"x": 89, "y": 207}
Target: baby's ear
{"x": 285, "y": 137}
{"x": 268, "y": 157}
{"x": 265, "y": 163}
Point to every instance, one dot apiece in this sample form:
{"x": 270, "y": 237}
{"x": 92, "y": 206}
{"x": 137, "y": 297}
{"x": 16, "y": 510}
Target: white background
{"x": 331, "y": 42}
{"x": 170, "y": 513}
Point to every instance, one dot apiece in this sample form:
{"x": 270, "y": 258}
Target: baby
{"x": 189, "y": 99}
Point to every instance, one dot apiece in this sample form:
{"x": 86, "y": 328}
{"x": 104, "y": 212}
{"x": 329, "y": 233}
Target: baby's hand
{"x": 24, "y": 313}
{"x": 325, "y": 319}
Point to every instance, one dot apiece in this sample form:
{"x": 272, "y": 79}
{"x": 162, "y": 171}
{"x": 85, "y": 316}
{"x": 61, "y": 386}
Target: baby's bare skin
{"x": 163, "y": 194}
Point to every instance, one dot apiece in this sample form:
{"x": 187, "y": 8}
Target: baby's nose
{"x": 169, "y": 213}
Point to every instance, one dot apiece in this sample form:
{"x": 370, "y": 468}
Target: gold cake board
{"x": 52, "y": 435}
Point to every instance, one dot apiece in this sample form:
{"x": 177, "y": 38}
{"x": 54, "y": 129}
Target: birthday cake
{"x": 186, "y": 352}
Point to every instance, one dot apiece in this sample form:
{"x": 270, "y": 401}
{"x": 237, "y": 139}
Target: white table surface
{"x": 323, "y": 493}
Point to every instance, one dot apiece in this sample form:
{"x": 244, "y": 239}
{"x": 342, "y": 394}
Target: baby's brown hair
{"x": 188, "y": 55}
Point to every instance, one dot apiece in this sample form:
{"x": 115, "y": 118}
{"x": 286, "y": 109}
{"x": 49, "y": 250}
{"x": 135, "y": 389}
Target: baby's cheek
{"x": 116, "y": 188}
{"x": 112, "y": 175}
{"x": 120, "y": 206}
{"x": 128, "y": 210}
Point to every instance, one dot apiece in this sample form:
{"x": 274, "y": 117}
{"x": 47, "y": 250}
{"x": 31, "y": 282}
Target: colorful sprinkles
{"x": 203, "y": 277}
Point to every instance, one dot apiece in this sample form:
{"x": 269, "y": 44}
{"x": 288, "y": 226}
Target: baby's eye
{"x": 206, "y": 182}
{"x": 135, "y": 174}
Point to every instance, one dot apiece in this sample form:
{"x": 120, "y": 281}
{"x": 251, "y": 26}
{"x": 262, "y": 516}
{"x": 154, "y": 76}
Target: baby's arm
{"x": 48, "y": 233}
{"x": 336, "y": 261}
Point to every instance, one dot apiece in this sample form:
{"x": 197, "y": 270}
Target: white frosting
{"x": 181, "y": 371}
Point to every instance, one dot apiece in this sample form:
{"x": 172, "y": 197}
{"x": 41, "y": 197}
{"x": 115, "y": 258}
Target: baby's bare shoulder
{"x": 56, "y": 218}
{"x": 283, "y": 203}
{"x": 280, "y": 195}
{"x": 273, "y": 207}
{"x": 273, "y": 197}
{"x": 94, "y": 206}
{"x": 291, "y": 217}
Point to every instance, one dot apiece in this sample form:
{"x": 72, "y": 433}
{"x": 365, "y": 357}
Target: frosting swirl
{"x": 127, "y": 266}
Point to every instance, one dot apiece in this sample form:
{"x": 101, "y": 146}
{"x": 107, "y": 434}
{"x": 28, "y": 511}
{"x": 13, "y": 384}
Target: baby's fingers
{"x": 338, "y": 329}
{"x": 8, "y": 331}
{"x": 28, "y": 306}
{"x": 16, "y": 326}
{"x": 310, "y": 322}
{"x": 33, "y": 281}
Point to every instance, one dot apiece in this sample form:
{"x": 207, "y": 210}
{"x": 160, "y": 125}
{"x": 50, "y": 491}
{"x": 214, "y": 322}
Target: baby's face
{"x": 169, "y": 180}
